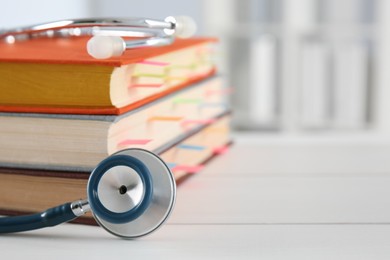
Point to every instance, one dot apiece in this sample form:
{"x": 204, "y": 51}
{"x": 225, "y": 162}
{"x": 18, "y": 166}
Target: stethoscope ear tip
{"x": 185, "y": 26}
{"x": 104, "y": 47}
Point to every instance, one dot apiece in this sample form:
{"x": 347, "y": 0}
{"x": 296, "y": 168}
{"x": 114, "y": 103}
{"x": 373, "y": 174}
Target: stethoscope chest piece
{"x": 128, "y": 198}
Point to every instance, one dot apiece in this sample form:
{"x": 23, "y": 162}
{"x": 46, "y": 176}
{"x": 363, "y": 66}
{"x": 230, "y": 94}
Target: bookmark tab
{"x": 220, "y": 149}
{"x": 154, "y": 63}
{"x": 128, "y": 142}
{"x": 191, "y": 147}
{"x": 162, "y": 76}
{"x": 165, "y": 118}
{"x": 171, "y": 165}
{"x": 217, "y": 129}
{"x": 149, "y": 75}
{"x": 188, "y": 168}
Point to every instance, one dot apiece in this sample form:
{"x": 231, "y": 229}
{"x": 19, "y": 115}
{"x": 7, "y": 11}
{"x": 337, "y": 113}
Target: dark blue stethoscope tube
{"x": 48, "y": 218}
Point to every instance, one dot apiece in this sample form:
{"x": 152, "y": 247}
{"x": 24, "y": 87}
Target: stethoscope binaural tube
{"x": 107, "y": 33}
{"x": 131, "y": 194}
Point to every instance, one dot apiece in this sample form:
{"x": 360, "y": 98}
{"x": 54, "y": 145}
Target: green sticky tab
{"x": 149, "y": 75}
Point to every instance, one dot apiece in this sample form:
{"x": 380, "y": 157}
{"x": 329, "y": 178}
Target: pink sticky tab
{"x": 134, "y": 142}
{"x": 220, "y": 149}
{"x": 188, "y": 168}
{"x": 154, "y": 63}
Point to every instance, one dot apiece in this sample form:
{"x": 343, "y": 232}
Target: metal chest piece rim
{"x": 131, "y": 193}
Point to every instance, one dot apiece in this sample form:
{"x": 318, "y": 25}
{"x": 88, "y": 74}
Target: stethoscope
{"x": 131, "y": 194}
{"x": 107, "y": 33}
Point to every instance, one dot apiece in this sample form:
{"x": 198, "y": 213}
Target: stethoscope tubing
{"x": 50, "y": 217}
{"x": 56, "y": 26}
{"x": 144, "y": 32}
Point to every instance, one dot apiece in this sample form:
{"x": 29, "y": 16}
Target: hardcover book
{"x": 58, "y": 76}
{"x": 79, "y": 142}
{"x": 39, "y": 189}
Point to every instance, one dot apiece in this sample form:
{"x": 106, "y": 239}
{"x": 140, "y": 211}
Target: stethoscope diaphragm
{"x": 143, "y": 197}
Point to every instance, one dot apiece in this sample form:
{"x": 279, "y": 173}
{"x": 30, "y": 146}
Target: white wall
{"x": 148, "y": 8}
{"x": 25, "y": 12}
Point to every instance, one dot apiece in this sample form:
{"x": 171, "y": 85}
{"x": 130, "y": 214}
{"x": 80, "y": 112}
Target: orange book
{"x": 47, "y": 188}
{"x": 58, "y": 76}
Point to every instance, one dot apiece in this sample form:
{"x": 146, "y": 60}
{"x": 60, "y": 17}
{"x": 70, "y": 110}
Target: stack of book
{"x": 62, "y": 112}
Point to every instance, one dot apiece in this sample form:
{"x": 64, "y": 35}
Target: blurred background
{"x": 297, "y": 66}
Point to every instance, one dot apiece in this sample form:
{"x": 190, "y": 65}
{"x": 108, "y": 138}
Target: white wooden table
{"x": 269, "y": 197}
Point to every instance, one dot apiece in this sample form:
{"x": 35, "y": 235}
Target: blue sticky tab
{"x": 171, "y": 165}
{"x": 191, "y": 147}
